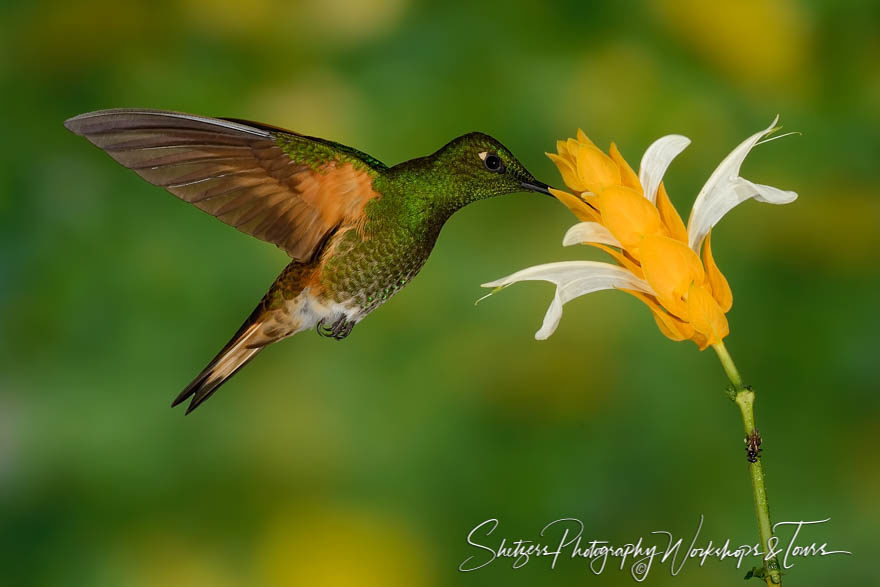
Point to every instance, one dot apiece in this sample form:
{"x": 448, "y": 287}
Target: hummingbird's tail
{"x": 250, "y": 339}
{"x": 289, "y": 306}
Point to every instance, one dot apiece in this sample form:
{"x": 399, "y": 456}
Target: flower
{"x": 661, "y": 262}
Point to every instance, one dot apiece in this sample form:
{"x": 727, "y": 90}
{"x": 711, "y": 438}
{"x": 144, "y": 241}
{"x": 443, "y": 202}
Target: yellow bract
{"x": 567, "y": 168}
{"x": 717, "y": 281}
{"x": 671, "y": 220}
{"x": 691, "y": 294}
{"x": 628, "y": 177}
{"x": 596, "y": 169}
{"x": 578, "y": 207}
{"x": 628, "y": 215}
{"x": 670, "y": 268}
{"x": 584, "y": 167}
{"x": 705, "y": 315}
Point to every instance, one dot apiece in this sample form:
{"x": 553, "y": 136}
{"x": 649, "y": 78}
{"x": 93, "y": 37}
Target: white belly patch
{"x": 306, "y": 310}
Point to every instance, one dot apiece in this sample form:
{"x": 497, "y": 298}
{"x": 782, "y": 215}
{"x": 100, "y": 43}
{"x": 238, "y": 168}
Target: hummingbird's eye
{"x": 493, "y": 163}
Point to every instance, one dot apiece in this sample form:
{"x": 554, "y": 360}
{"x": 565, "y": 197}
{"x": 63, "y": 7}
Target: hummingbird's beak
{"x": 536, "y": 186}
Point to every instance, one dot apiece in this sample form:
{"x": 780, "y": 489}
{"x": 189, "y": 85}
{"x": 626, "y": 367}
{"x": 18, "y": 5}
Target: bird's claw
{"x": 337, "y": 330}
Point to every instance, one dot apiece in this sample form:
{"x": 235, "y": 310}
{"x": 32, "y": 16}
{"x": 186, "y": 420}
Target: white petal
{"x": 589, "y": 232}
{"x": 551, "y": 318}
{"x": 573, "y": 279}
{"x": 725, "y": 189}
{"x": 769, "y": 194}
{"x": 656, "y": 160}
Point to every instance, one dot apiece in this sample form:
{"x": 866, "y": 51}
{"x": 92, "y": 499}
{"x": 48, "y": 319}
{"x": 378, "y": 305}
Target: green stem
{"x": 744, "y": 397}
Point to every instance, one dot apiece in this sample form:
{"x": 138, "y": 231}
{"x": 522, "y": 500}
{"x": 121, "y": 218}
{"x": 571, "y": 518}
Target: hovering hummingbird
{"x": 357, "y": 230}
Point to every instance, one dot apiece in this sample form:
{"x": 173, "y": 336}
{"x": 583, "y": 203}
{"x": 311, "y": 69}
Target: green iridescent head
{"x": 481, "y": 167}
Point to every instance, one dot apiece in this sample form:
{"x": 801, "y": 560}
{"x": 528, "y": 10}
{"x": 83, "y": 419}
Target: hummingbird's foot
{"x": 345, "y": 330}
{"x": 325, "y": 330}
{"x": 337, "y": 330}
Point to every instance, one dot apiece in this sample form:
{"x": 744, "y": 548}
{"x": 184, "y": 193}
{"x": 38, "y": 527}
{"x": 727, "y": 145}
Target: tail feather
{"x": 265, "y": 325}
{"x": 243, "y": 347}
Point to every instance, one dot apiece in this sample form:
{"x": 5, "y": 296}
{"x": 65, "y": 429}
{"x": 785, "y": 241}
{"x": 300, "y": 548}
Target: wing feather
{"x": 240, "y": 173}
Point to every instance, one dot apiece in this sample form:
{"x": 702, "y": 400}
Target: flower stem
{"x": 744, "y": 397}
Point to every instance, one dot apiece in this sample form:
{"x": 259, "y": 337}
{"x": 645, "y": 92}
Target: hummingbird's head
{"x": 478, "y": 166}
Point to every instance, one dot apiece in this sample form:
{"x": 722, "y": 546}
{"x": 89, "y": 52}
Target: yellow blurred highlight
{"x": 557, "y": 385}
{"x": 64, "y": 34}
{"x": 761, "y": 41}
{"x": 861, "y": 479}
{"x": 546, "y": 383}
{"x": 318, "y": 103}
{"x": 341, "y": 22}
{"x": 293, "y": 433}
{"x": 351, "y": 21}
{"x": 834, "y": 233}
{"x": 329, "y": 546}
{"x": 159, "y": 558}
{"x": 608, "y": 88}
{"x": 233, "y": 16}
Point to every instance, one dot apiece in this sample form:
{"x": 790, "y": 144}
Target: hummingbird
{"x": 356, "y": 230}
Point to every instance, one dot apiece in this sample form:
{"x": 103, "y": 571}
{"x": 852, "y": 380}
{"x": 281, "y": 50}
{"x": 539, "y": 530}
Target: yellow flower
{"x": 664, "y": 264}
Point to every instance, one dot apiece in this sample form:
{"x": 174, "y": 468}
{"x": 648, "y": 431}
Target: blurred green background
{"x": 365, "y": 463}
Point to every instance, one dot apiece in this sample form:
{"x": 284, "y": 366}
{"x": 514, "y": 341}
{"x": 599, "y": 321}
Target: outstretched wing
{"x": 279, "y": 186}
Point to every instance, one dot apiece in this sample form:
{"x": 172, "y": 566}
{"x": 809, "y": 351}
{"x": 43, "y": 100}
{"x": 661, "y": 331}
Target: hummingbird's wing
{"x": 279, "y": 186}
